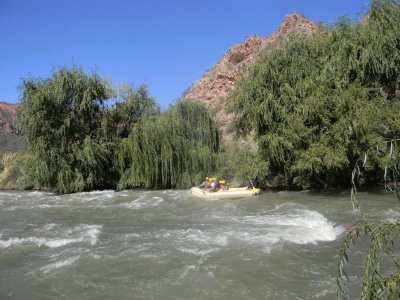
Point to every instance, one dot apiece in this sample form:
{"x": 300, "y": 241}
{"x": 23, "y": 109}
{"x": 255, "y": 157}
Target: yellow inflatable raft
{"x": 231, "y": 193}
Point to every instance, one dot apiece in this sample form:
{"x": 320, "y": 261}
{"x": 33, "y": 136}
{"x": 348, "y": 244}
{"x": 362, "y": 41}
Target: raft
{"x": 231, "y": 193}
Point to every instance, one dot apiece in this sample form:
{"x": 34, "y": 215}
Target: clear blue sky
{"x": 165, "y": 44}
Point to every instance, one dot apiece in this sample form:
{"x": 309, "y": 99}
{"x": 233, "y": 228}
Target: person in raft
{"x": 205, "y": 184}
{"x": 223, "y": 185}
{"x": 213, "y": 184}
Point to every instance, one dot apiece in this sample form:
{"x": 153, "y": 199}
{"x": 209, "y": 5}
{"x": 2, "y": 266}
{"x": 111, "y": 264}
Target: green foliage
{"x": 61, "y": 120}
{"x": 316, "y": 104}
{"x": 132, "y": 105}
{"x": 375, "y": 284}
{"x": 174, "y": 149}
{"x": 383, "y": 237}
{"x": 78, "y": 143}
{"x": 12, "y": 170}
{"x": 239, "y": 161}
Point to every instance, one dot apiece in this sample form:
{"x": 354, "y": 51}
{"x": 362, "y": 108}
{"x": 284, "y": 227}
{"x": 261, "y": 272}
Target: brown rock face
{"x": 10, "y": 139}
{"x": 216, "y": 84}
{"x": 8, "y": 113}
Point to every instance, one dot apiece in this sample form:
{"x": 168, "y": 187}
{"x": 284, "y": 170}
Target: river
{"x": 167, "y": 245}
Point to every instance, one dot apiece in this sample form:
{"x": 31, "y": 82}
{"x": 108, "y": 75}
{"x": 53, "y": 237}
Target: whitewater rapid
{"x": 151, "y": 244}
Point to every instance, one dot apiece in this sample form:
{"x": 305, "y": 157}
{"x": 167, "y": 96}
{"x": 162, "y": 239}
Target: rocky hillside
{"x": 215, "y": 85}
{"x": 10, "y": 140}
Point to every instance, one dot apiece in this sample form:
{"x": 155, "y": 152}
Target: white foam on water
{"x": 87, "y": 233}
{"x": 95, "y": 256}
{"x": 93, "y": 196}
{"x": 6, "y": 194}
{"x": 24, "y": 200}
{"x": 325, "y": 287}
{"x": 34, "y": 196}
{"x": 196, "y": 251}
{"x": 33, "y": 201}
{"x": 199, "y": 237}
{"x": 187, "y": 270}
{"x": 11, "y": 208}
{"x": 144, "y": 202}
{"x": 55, "y": 243}
{"x": 123, "y": 194}
{"x": 391, "y": 215}
{"x": 100, "y": 192}
{"x": 297, "y": 225}
{"x": 20, "y": 241}
{"x": 173, "y": 193}
{"x": 151, "y": 256}
{"x": 81, "y": 233}
{"x": 51, "y": 243}
{"x": 40, "y": 193}
{"x": 265, "y": 232}
{"x": 47, "y": 227}
{"x": 59, "y": 264}
{"x": 309, "y": 227}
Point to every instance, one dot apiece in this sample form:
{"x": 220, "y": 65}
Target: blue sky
{"x": 166, "y": 45}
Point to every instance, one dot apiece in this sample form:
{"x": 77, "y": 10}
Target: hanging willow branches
{"x": 79, "y": 143}
{"x": 316, "y": 104}
{"x": 61, "y": 121}
{"x": 382, "y": 236}
{"x": 174, "y": 149}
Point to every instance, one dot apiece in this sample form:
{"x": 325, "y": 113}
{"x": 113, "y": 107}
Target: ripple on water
{"x": 59, "y": 264}
{"x": 54, "y": 237}
{"x": 144, "y": 201}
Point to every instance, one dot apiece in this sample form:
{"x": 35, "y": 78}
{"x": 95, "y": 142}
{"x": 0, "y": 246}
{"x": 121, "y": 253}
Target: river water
{"x": 167, "y": 245}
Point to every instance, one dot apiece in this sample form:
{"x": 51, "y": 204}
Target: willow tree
{"x": 316, "y": 104}
{"x": 61, "y": 120}
{"x": 172, "y": 150}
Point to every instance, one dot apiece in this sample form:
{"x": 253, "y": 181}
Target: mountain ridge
{"x": 216, "y": 83}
